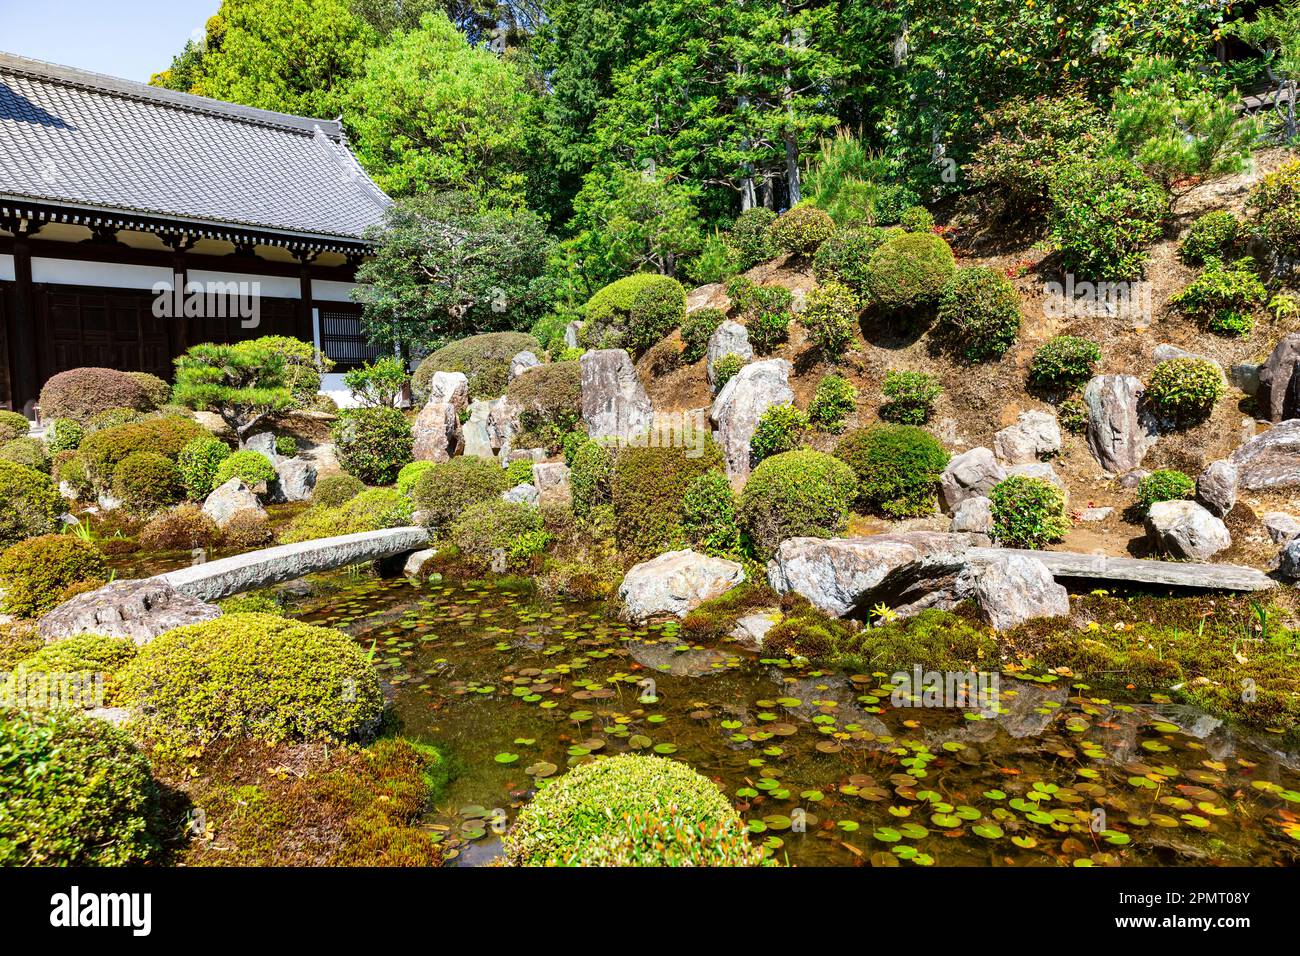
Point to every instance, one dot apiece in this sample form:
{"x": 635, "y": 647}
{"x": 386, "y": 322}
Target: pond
{"x": 824, "y": 769}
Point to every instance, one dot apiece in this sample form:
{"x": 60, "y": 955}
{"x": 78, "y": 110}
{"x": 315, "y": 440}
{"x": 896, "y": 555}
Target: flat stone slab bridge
{"x": 214, "y": 580}
{"x": 1069, "y": 564}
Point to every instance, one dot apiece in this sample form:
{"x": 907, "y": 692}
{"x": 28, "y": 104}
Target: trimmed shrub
{"x": 104, "y": 450}
{"x": 286, "y": 446}
{"x": 406, "y": 478}
{"x": 30, "y": 505}
{"x": 64, "y": 435}
{"x": 1223, "y": 298}
{"x": 255, "y": 676}
{"x": 92, "y": 803}
{"x": 334, "y": 490}
{"x": 81, "y": 665}
{"x": 1073, "y": 415}
{"x": 1167, "y": 484}
{"x": 447, "y": 489}
{"x": 725, "y": 369}
{"x": 909, "y": 397}
{"x": 112, "y": 418}
{"x": 845, "y": 256}
{"x": 370, "y": 510}
{"x": 146, "y": 482}
{"x": 709, "y": 515}
{"x": 1028, "y": 512}
{"x": 909, "y": 270}
{"x": 656, "y": 310}
{"x": 751, "y": 236}
{"x": 250, "y": 467}
{"x": 69, "y": 468}
{"x": 1274, "y": 205}
{"x": 1064, "y": 363}
{"x": 591, "y": 477}
{"x": 35, "y": 573}
{"x": 28, "y": 452}
{"x": 833, "y": 402}
{"x": 795, "y": 494}
{"x": 485, "y": 360}
{"x": 256, "y": 602}
{"x": 780, "y": 429}
{"x": 373, "y": 444}
{"x": 1185, "y": 389}
{"x": 979, "y": 314}
{"x": 1212, "y": 236}
{"x": 916, "y": 219}
{"x": 82, "y": 393}
{"x": 14, "y": 425}
{"x": 183, "y": 529}
{"x": 801, "y": 230}
{"x": 157, "y": 392}
{"x": 520, "y": 472}
{"x": 764, "y": 310}
{"x": 198, "y": 462}
{"x": 629, "y": 312}
{"x": 247, "y": 528}
{"x": 1104, "y": 215}
{"x": 630, "y": 810}
{"x": 697, "y": 327}
{"x": 549, "y": 399}
{"x": 646, "y": 491}
{"x": 509, "y": 527}
{"x": 898, "y": 468}
{"x": 830, "y": 316}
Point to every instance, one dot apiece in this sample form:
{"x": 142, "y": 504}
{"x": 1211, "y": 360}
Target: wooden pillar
{"x": 178, "y": 332}
{"x": 305, "y": 259}
{"x": 24, "y": 360}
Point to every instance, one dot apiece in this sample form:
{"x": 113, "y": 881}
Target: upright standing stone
{"x": 742, "y": 402}
{"x": 1274, "y": 397}
{"x": 437, "y": 432}
{"x": 552, "y": 482}
{"x": 729, "y": 338}
{"x": 571, "y": 335}
{"x": 1120, "y": 430}
{"x": 614, "y": 403}
{"x": 449, "y": 387}
{"x": 1216, "y": 487}
{"x": 475, "y": 433}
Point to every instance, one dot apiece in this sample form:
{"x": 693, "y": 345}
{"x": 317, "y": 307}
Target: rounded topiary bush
{"x": 1211, "y": 236}
{"x": 444, "y": 491}
{"x": 549, "y": 399}
{"x": 93, "y": 803}
{"x": 845, "y": 256}
{"x": 249, "y": 528}
{"x": 184, "y": 529}
{"x": 14, "y": 425}
{"x": 485, "y": 360}
{"x": 35, "y": 573}
{"x": 633, "y": 312}
{"x": 30, "y": 505}
{"x": 802, "y": 230}
{"x": 198, "y": 462}
{"x": 796, "y": 494}
{"x": 1028, "y": 512}
{"x": 830, "y": 316}
{"x": 255, "y": 676}
{"x": 916, "y": 219}
{"x": 656, "y": 310}
{"x": 697, "y": 328}
{"x": 156, "y": 392}
{"x": 250, "y": 467}
{"x": 112, "y": 418}
{"x": 751, "y": 235}
{"x": 334, "y": 490}
{"x": 512, "y": 529}
{"x": 909, "y": 396}
{"x": 68, "y": 468}
{"x": 979, "y": 314}
{"x": 104, "y": 450}
{"x": 1167, "y": 484}
{"x": 77, "y": 672}
{"x": 146, "y": 481}
{"x": 910, "y": 270}
{"x": 833, "y": 402}
{"x": 1064, "y": 363}
{"x": 26, "y": 451}
{"x": 373, "y": 443}
{"x": 591, "y": 477}
{"x": 406, "y": 478}
{"x": 630, "y": 810}
{"x": 82, "y": 393}
{"x": 371, "y": 510}
{"x": 709, "y": 515}
{"x": 1185, "y": 389}
{"x": 897, "y": 468}
{"x": 780, "y": 429}
{"x": 64, "y": 435}
{"x": 646, "y": 491}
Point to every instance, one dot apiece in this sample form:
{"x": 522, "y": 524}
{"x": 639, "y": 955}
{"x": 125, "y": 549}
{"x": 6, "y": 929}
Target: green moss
{"x": 647, "y": 489}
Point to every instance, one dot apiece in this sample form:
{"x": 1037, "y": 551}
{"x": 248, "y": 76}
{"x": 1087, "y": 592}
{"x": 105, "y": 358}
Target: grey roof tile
{"x": 68, "y": 136}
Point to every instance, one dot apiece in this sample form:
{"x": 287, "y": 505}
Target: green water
{"x": 825, "y": 770}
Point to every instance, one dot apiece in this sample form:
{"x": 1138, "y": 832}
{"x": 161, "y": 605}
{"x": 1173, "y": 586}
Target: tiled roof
{"x": 82, "y": 139}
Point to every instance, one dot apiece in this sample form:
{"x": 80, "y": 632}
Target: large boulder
{"x": 139, "y": 609}
{"x": 973, "y": 516}
{"x": 437, "y": 432}
{"x": 742, "y": 402}
{"x": 729, "y": 338}
{"x": 1275, "y": 397}
{"x": 295, "y": 480}
{"x": 228, "y": 500}
{"x": 1184, "y": 529}
{"x": 552, "y": 482}
{"x": 614, "y": 402}
{"x": 1216, "y": 487}
{"x": 571, "y": 332}
{"x": 449, "y": 387}
{"x": 1281, "y": 527}
{"x": 675, "y": 583}
{"x": 1033, "y": 437}
{"x": 1270, "y": 460}
{"x": 1120, "y": 430}
{"x": 264, "y": 444}
{"x": 522, "y": 363}
{"x": 1013, "y": 590}
{"x": 972, "y": 474}
{"x": 477, "y": 432}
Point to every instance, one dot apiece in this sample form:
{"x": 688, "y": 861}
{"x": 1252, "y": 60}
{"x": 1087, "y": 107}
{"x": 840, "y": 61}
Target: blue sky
{"x": 127, "y": 38}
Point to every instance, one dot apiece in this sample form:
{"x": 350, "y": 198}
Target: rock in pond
{"x": 1184, "y": 529}
{"x": 139, "y": 609}
{"x": 1013, "y": 590}
{"x": 675, "y": 583}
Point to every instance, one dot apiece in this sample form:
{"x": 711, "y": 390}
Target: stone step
{"x": 1069, "y": 564}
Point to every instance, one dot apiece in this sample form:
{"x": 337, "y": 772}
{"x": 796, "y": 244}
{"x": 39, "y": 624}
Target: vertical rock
{"x": 742, "y": 402}
{"x": 437, "y": 432}
{"x": 614, "y": 403}
{"x": 1275, "y": 396}
{"x": 729, "y": 338}
{"x": 1120, "y": 430}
